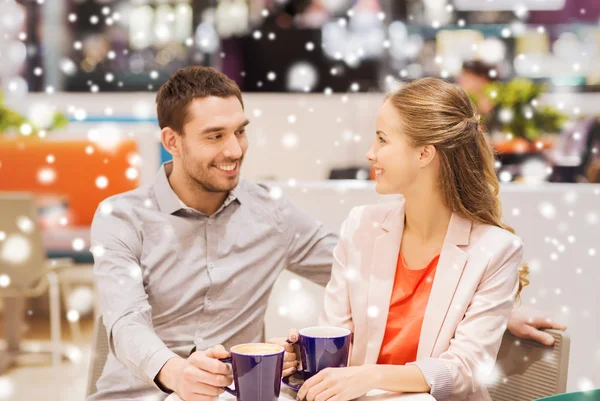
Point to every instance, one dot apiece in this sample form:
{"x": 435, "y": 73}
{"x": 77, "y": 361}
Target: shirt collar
{"x": 169, "y": 202}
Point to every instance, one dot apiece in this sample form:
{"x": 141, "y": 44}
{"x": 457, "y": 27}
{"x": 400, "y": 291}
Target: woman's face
{"x": 396, "y": 162}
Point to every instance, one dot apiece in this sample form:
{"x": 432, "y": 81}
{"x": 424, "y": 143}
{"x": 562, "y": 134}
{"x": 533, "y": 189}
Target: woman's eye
{"x": 381, "y": 140}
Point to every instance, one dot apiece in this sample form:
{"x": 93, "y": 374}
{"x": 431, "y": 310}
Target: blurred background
{"x": 78, "y": 124}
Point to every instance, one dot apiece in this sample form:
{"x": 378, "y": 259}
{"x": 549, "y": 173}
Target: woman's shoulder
{"x": 371, "y": 216}
{"x": 494, "y": 239}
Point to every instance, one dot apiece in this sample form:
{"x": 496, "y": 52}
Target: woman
{"x": 425, "y": 284}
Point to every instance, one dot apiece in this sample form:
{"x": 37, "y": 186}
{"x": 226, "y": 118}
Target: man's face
{"x": 213, "y": 142}
{"x": 472, "y": 83}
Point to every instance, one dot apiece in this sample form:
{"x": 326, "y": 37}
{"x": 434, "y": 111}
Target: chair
{"x": 527, "y": 370}
{"x": 99, "y": 354}
{"x": 25, "y": 273}
{"x": 592, "y": 395}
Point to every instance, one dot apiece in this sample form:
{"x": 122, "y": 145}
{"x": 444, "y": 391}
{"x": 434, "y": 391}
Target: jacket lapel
{"x": 448, "y": 272}
{"x": 381, "y": 281}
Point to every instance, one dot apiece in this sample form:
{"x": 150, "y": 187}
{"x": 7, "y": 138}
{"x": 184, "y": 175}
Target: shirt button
{"x": 210, "y": 222}
{"x": 211, "y": 265}
{"x": 208, "y": 302}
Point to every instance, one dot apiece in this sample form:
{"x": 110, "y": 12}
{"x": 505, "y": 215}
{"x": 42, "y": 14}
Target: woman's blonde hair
{"x": 438, "y": 113}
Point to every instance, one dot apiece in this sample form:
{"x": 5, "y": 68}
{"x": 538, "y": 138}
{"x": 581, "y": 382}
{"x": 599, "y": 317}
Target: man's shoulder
{"x": 256, "y": 190}
{"x": 123, "y": 208}
{"x": 260, "y": 195}
{"x": 141, "y": 196}
{"x": 267, "y": 199}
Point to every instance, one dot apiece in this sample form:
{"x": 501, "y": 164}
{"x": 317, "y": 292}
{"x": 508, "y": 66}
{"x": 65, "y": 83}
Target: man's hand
{"x": 526, "y": 323}
{"x": 201, "y": 377}
{"x": 290, "y": 360}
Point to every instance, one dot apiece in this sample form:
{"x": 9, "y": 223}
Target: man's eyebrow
{"x": 211, "y": 130}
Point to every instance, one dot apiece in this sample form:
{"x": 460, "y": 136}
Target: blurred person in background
{"x": 474, "y": 77}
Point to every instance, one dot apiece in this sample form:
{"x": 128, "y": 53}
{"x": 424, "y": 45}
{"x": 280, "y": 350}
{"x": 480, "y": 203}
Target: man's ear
{"x": 170, "y": 141}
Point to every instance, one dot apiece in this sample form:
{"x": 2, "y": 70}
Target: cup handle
{"x": 298, "y": 344}
{"x": 227, "y": 389}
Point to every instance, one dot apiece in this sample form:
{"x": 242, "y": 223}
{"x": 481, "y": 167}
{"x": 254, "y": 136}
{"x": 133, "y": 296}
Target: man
{"x": 191, "y": 259}
{"x": 196, "y": 253}
{"x": 474, "y": 77}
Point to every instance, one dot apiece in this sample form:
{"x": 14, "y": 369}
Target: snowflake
{"x": 98, "y": 251}
{"x": 294, "y": 285}
{"x": 547, "y": 210}
{"x": 73, "y": 316}
{"x": 290, "y": 140}
{"x": 283, "y": 310}
{"x": 16, "y": 249}
{"x": 132, "y": 173}
{"x": 585, "y": 384}
{"x": 276, "y": 193}
{"x": 4, "y": 280}
{"x": 78, "y": 244}
{"x": 373, "y": 311}
{"x": 101, "y": 182}
{"x": 25, "y": 224}
{"x": 7, "y": 388}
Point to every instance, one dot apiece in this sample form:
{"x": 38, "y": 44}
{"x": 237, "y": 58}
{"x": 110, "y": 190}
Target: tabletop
{"x": 375, "y": 395}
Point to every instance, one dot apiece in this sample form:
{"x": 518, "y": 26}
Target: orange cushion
{"x": 74, "y": 170}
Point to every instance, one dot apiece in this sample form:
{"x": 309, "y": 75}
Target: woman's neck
{"x": 426, "y": 215}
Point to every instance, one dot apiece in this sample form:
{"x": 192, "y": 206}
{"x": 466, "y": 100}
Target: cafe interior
{"x": 78, "y": 124}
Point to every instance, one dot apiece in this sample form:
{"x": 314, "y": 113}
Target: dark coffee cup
{"x": 323, "y": 347}
{"x": 257, "y": 371}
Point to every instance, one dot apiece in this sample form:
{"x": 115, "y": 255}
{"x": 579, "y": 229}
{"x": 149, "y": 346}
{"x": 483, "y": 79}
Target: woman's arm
{"x": 386, "y": 378}
{"x": 471, "y": 355}
{"x": 344, "y": 384}
{"x": 336, "y": 307}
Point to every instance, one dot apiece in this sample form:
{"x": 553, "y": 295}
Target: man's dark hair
{"x": 480, "y": 69}
{"x": 175, "y": 95}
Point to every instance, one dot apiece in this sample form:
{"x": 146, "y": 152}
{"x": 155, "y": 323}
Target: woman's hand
{"x": 290, "y": 360}
{"x": 339, "y": 384}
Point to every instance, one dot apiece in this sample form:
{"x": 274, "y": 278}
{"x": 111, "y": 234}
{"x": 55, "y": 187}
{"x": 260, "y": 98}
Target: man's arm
{"x": 529, "y": 324}
{"x": 309, "y": 246}
{"x": 126, "y": 312}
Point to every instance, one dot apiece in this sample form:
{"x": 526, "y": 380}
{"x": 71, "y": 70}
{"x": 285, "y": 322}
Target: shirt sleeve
{"x": 309, "y": 246}
{"x": 126, "y": 313}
